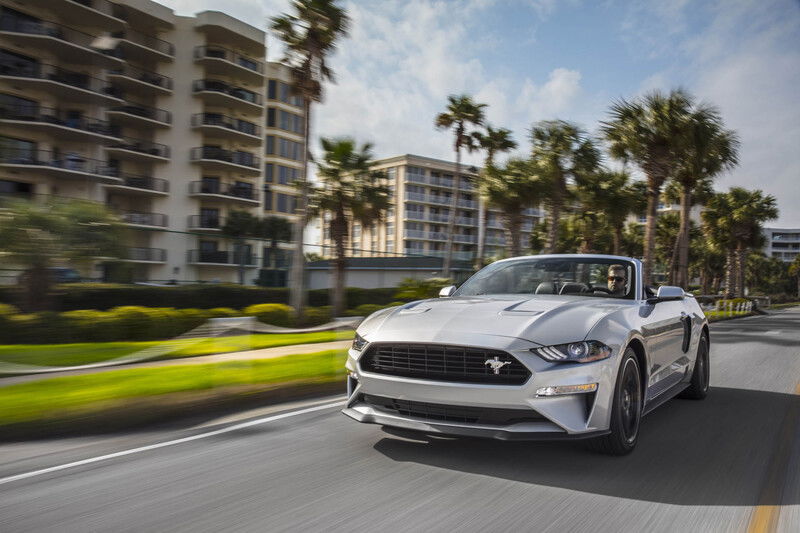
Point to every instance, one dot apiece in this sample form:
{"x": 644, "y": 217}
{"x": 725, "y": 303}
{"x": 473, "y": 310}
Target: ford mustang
{"x": 536, "y": 347}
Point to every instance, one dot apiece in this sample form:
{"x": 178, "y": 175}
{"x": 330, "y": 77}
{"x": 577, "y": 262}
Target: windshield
{"x": 605, "y": 278}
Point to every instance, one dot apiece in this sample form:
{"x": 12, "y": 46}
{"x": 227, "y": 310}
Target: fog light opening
{"x": 560, "y": 390}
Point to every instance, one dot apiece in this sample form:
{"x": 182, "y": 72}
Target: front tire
{"x": 626, "y": 410}
{"x": 698, "y": 387}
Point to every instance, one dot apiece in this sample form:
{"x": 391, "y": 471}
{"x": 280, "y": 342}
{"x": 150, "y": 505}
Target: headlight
{"x": 574, "y": 352}
{"x": 359, "y": 342}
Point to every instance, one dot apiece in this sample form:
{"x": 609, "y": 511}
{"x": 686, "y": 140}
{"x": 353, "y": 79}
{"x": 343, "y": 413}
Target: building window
{"x": 286, "y": 203}
{"x": 269, "y": 169}
{"x": 271, "y": 117}
{"x": 270, "y": 150}
{"x": 272, "y": 89}
{"x": 267, "y": 200}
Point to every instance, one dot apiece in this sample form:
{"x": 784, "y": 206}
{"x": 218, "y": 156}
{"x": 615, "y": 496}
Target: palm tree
{"x": 38, "y": 236}
{"x": 238, "y": 225}
{"x": 493, "y": 142}
{"x": 310, "y": 36}
{"x": 561, "y": 151}
{"x": 794, "y": 271}
{"x": 461, "y": 113}
{"x": 275, "y": 229}
{"x": 711, "y": 149}
{"x": 699, "y": 194}
{"x": 512, "y": 189}
{"x": 651, "y": 132}
{"x": 350, "y": 192}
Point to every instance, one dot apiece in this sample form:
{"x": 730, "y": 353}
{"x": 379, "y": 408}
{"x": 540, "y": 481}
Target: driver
{"x": 617, "y": 280}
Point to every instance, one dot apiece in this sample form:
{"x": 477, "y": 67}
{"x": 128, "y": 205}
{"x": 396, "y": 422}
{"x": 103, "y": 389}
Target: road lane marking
{"x": 228, "y": 429}
{"x": 765, "y": 517}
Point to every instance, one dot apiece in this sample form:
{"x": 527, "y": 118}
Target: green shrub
{"x": 316, "y": 316}
{"x": 273, "y": 314}
{"x": 420, "y": 289}
{"x": 223, "y": 312}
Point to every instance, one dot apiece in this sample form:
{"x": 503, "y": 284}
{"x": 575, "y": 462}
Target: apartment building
{"x": 782, "y": 243}
{"x": 422, "y": 189}
{"x": 165, "y": 119}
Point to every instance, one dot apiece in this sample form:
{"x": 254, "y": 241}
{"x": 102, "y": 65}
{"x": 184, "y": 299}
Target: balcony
{"x": 215, "y": 257}
{"x": 88, "y": 12}
{"x": 206, "y": 223}
{"x": 68, "y": 44}
{"x": 212, "y": 157}
{"x": 140, "y": 115}
{"x": 143, "y": 185}
{"x": 56, "y": 122}
{"x": 224, "y": 191}
{"x": 61, "y": 165}
{"x": 439, "y": 181}
{"x": 147, "y": 255}
{"x": 135, "y": 45}
{"x": 224, "y": 126}
{"x": 139, "y": 150}
{"x": 221, "y": 61}
{"x": 140, "y": 81}
{"x": 67, "y": 85}
{"x": 458, "y": 256}
{"x": 220, "y": 93}
{"x": 144, "y": 220}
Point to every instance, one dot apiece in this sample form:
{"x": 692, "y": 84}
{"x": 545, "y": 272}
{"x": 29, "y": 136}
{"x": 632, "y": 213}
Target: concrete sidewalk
{"x": 264, "y": 353}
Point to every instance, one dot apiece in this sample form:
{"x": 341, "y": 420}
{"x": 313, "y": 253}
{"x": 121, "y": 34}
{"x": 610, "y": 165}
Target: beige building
{"x": 422, "y": 189}
{"x": 166, "y": 119}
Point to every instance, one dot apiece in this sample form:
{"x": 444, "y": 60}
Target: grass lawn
{"x": 783, "y": 306}
{"x": 64, "y": 397}
{"x": 714, "y": 316}
{"x": 86, "y": 353}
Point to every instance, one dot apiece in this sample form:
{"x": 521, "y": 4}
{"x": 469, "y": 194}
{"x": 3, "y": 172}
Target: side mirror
{"x": 666, "y": 293}
{"x": 447, "y": 291}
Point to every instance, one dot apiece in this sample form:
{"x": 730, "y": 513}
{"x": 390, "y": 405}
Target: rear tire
{"x": 626, "y": 410}
{"x": 698, "y": 386}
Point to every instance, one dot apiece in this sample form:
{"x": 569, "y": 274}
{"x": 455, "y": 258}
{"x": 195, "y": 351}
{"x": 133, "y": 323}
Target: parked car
{"x": 538, "y": 347}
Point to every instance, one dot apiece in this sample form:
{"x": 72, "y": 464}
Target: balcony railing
{"x": 157, "y": 255}
{"x": 218, "y": 52}
{"x": 224, "y": 121}
{"x": 218, "y": 86}
{"x": 141, "y": 110}
{"x": 223, "y": 189}
{"x": 218, "y": 154}
{"x": 206, "y": 222}
{"x": 146, "y": 183}
{"x": 145, "y": 219}
{"x": 148, "y": 41}
{"x": 67, "y": 161}
{"x": 12, "y": 23}
{"x": 47, "y": 115}
{"x": 43, "y": 71}
{"x": 142, "y": 146}
{"x": 439, "y": 181}
{"x": 220, "y": 257}
{"x": 145, "y": 76}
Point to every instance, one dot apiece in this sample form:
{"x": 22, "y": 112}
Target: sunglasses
{"x": 615, "y": 278}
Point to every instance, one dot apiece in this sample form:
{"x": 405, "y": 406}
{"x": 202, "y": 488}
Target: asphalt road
{"x": 729, "y": 463}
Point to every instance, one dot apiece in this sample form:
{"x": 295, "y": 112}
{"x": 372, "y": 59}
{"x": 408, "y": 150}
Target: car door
{"x": 664, "y": 329}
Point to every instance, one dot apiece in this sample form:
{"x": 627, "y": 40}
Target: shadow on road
{"x": 713, "y": 452}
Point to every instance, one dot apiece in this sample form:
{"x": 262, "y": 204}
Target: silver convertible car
{"x": 537, "y": 347}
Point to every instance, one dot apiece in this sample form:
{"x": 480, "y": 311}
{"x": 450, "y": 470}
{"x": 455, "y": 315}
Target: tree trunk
{"x": 297, "y": 282}
{"x": 617, "y": 239}
{"x": 741, "y": 259}
{"x": 555, "y": 221}
{"x": 483, "y": 222}
{"x": 339, "y": 234}
{"x": 512, "y": 222}
{"x": 451, "y": 223}
{"x": 650, "y": 235}
{"x": 730, "y": 274}
{"x": 240, "y": 244}
{"x": 682, "y": 246}
{"x": 37, "y": 289}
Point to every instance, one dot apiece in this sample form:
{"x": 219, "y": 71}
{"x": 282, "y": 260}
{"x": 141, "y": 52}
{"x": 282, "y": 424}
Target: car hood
{"x": 541, "y": 319}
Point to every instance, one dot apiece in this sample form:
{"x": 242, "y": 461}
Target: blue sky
{"x": 569, "y": 59}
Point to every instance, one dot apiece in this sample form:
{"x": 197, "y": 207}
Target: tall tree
{"x": 700, "y": 194}
{"x": 310, "y": 35}
{"x": 494, "y": 141}
{"x": 710, "y": 150}
{"x": 462, "y": 113}
{"x": 794, "y": 271}
{"x": 39, "y": 236}
{"x": 351, "y": 192}
{"x": 512, "y": 189}
{"x": 275, "y": 229}
{"x": 651, "y": 132}
{"x": 560, "y": 151}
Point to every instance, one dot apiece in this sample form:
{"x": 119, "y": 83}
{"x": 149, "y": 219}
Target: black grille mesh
{"x": 441, "y": 362}
{"x": 452, "y": 413}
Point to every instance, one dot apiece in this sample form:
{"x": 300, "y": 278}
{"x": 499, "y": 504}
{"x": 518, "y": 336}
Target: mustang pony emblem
{"x": 496, "y": 364}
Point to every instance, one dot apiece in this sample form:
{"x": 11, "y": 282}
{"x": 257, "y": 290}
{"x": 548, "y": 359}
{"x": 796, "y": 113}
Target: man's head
{"x": 617, "y": 279}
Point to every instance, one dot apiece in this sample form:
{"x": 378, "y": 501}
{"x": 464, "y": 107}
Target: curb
{"x": 138, "y": 412}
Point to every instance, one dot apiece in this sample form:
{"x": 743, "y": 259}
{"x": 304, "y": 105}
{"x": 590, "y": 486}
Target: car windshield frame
{"x": 556, "y": 271}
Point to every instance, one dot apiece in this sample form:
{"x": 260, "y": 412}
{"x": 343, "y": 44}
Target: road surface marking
{"x": 765, "y": 517}
{"x": 168, "y": 443}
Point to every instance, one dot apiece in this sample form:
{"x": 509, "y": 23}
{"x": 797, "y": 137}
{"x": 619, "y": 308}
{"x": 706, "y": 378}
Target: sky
{"x": 532, "y": 60}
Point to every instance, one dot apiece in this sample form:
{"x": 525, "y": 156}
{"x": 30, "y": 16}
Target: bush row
{"x": 104, "y": 296}
{"x": 132, "y": 323}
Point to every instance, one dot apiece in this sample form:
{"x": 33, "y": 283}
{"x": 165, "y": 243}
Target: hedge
{"x": 104, "y": 296}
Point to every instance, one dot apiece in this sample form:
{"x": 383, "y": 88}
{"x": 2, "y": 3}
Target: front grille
{"x": 441, "y": 362}
{"x": 452, "y": 413}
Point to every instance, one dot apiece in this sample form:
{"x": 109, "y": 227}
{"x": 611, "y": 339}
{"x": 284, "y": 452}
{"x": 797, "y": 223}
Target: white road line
{"x": 168, "y": 443}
